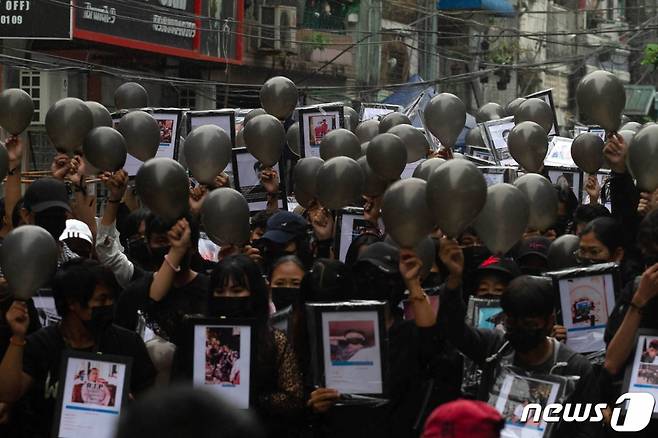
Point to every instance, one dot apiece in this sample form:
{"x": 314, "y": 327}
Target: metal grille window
{"x": 187, "y": 98}
{"x": 31, "y": 84}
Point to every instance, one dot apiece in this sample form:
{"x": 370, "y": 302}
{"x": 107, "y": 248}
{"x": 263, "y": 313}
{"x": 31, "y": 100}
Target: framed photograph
{"x": 559, "y": 153}
{"x": 587, "y": 297}
{"x": 246, "y": 171}
{"x": 579, "y": 129}
{"x": 484, "y": 313}
{"x": 547, "y": 96}
{"x": 92, "y": 392}
{"x": 221, "y": 357}
{"x": 314, "y": 123}
{"x": 350, "y": 224}
{"x": 603, "y": 176}
{"x": 44, "y": 303}
{"x": 350, "y": 351}
{"x": 572, "y": 177}
{"x": 513, "y": 391}
{"x": 169, "y": 121}
{"x": 498, "y": 174}
{"x": 409, "y": 169}
{"x": 642, "y": 373}
{"x": 496, "y": 133}
{"x": 597, "y": 130}
{"x": 225, "y": 119}
{"x": 479, "y": 152}
{"x": 208, "y": 250}
{"x": 377, "y": 110}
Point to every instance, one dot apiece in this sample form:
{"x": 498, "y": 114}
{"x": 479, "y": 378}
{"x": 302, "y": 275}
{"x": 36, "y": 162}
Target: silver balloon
{"x": 28, "y": 258}
{"x": 456, "y": 192}
{"x": 561, "y": 253}
{"x": 265, "y": 137}
{"x": 16, "y": 110}
{"x": 474, "y": 137}
{"x": 602, "y": 98}
{"x": 351, "y": 118}
{"x": 164, "y": 188}
{"x": 413, "y": 139}
{"x": 239, "y": 139}
{"x": 68, "y": 121}
{"x": 99, "y": 114}
{"x": 425, "y": 169}
{"x": 278, "y": 96}
{"x": 511, "y": 107}
{"x": 207, "y": 152}
{"x": 392, "y": 119}
{"x": 387, "y": 156}
{"x": 339, "y": 183}
{"x": 305, "y": 179}
{"x": 251, "y": 114}
{"x": 631, "y": 126}
{"x": 642, "y": 158}
{"x": 543, "y": 200}
{"x": 292, "y": 138}
{"x": 142, "y": 134}
{"x": 504, "y": 218}
{"x": 225, "y": 217}
{"x": 489, "y": 111}
{"x": 425, "y": 251}
{"x": 340, "y": 142}
{"x": 105, "y": 149}
{"x": 367, "y": 130}
{"x": 364, "y": 148}
{"x": 130, "y": 95}
{"x": 373, "y": 184}
{"x": 627, "y": 135}
{"x": 445, "y": 117}
{"x": 535, "y": 110}
{"x": 587, "y": 152}
{"x": 528, "y": 145}
{"x": 406, "y": 215}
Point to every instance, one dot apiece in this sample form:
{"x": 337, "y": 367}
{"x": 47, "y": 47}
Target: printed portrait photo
{"x": 522, "y": 393}
{"x": 222, "y": 355}
{"x": 95, "y": 383}
{"x": 352, "y": 342}
{"x": 589, "y": 305}
{"x": 319, "y": 126}
{"x": 166, "y": 130}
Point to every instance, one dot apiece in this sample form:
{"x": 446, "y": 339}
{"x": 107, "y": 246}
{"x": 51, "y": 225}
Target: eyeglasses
{"x": 589, "y": 254}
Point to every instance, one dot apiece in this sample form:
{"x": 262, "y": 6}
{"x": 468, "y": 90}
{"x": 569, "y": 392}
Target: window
{"x": 285, "y": 30}
{"x": 187, "y": 98}
{"x": 31, "y": 84}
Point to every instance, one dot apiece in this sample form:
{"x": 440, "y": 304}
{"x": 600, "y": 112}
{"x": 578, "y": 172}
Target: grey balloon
{"x": 627, "y": 135}
{"x": 387, "y": 156}
{"x": 339, "y": 183}
{"x": 535, "y": 110}
{"x": 16, "y": 110}
{"x": 489, "y": 111}
{"x": 142, "y": 134}
{"x": 305, "y": 179}
{"x": 504, "y": 218}
{"x": 207, "y": 152}
{"x": 130, "y": 95}
{"x": 587, "y": 152}
{"x": 406, "y": 215}
{"x": 164, "y": 188}
{"x": 561, "y": 253}
{"x": 68, "y": 121}
{"x": 239, "y": 139}
{"x": 474, "y": 137}
{"x": 251, "y": 114}
{"x": 528, "y": 145}
{"x": 264, "y": 136}
{"x": 28, "y": 258}
{"x": 351, "y": 118}
{"x": 292, "y": 138}
{"x": 373, "y": 185}
{"x": 414, "y": 141}
{"x": 456, "y": 192}
{"x": 425, "y": 169}
{"x": 340, "y": 142}
{"x": 225, "y": 217}
{"x": 542, "y": 198}
{"x": 425, "y": 251}
{"x": 601, "y": 97}
{"x": 278, "y": 96}
{"x": 100, "y": 115}
{"x": 445, "y": 117}
{"x": 364, "y": 148}
{"x": 367, "y": 130}
{"x": 392, "y": 119}
{"x": 105, "y": 149}
{"x": 513, "y": 106}
{"x": 642, "y": 158}
{"x": 4, "y": 162}
{"x": 631, "y": 126}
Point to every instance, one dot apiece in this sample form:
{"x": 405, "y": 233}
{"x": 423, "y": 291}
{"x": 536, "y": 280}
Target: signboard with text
{"x": 35, "y": 19}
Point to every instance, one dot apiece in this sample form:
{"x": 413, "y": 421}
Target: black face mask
{"x": 234, "y": 307}
{"x": 283, "y": 297}
{"x": 55, "y": 224}
{"x": 138, "y": 252}
{"x": 101, "y": 318}
{"x": 157, "y": 256}
{"x": 523, "y": 339}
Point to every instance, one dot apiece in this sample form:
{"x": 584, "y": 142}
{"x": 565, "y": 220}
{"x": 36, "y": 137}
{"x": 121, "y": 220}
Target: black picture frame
{"x": 474, "y": 306}
{"x": 491, "y": 130}
{"x": 498, "y": 174}
{"x": 334, "y": 110}
{"x": 547, "y": 96}
{"x": 340, "y": 245}
{"x": 120, "y": 400}
{"x": 575, "y": 180}
{"x": 390, "y": 108}
{"x": 257, "y": 199}
{"x": 635, "y": 363}
{"x": 314, "y": 313}
{"x": 224, "y": 113}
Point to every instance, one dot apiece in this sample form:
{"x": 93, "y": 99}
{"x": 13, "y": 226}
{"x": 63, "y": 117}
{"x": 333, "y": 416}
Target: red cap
{"x": 464, "y": 419}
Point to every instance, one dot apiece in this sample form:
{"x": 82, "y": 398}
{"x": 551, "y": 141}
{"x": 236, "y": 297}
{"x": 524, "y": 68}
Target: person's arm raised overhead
{"x": 180, "y": 238}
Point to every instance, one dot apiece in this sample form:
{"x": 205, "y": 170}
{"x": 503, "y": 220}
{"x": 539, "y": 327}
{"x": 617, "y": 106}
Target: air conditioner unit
{"x": 46, "y": 88}
{"x": 277, "y": 31}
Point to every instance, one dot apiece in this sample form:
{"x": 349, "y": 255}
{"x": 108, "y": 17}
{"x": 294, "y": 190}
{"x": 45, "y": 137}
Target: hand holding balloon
{"x": 180, "y": 237}
{"x": 372, "y": 208}
{"x": 269, "y": 178}
{"x": 14, "y": 147}
{"x": 648, "y": 202}
{"x": 452, "y": 257}
{"x": 410, "y": 267}
{"x": 77, "y": 171}
{"x": 116, "y": 184}
{"x": 222, "y": 180}
{"x": 593, "y": 189}
{"x": 322, "y": 222}
{"x": 615, "y": 152}
{"x": 197, "y": 196}
{"x": 18, "y": 319}
{"x": 61, "y": 166}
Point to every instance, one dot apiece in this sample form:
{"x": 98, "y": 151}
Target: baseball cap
{"x": 285, "y": 226}
{"x": 464, "y": 419}
{"x": 534, "y": 246}
{"x": 76, "y": 229}
{"x": 499, "y": 265}
{"x": 384, "y": 256}
{"x": 46, "y": 193}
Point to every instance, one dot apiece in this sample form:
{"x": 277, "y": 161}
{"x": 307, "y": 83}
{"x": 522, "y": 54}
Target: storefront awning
{"x": 500, "y": 7}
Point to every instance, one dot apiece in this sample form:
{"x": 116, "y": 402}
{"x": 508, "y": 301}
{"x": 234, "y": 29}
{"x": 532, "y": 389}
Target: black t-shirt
{"x": 168, "y": 313}
{"x": 42, "y": 360}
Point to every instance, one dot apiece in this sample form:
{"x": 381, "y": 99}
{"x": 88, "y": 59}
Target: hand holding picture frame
{"x": 377, "y": 110}
{"x": 485, "y": 313}
{"x": 246, "y": 171}
{"x": 350, "y": 224}
{"x": 496, "y": 133}
{"x": 93, "y": 389}
{"x": 642, "y": 372}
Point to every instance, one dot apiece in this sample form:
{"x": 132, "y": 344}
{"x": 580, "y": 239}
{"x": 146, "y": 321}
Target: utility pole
{"x": 368, "y": 54}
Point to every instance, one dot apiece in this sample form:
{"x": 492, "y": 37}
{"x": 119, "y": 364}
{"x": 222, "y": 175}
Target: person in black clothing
{"x": 84, "y": 294}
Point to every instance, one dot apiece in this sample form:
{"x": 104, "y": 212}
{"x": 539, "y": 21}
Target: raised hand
{"x": 14, "y": 147}
{"x": 593, "y": 189}
{"x": 452, "y": 257}
{"x": 116, "y": 183}
{"x": 18, "y": 319}
{"x": 615, "y": 153}
{"x": 180, "y": 236}
{"x": 269, "y": 178}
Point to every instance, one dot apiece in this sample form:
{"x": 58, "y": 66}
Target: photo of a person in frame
{"x": 588, "y": 304}
{"x": 319, "y": 126}
{"x": 522, "y": 393}
{"x": 650, "y": 354}
{"x": 647, "y": 374}
{"x": 166, "y": 129}
{"x": 222, "y": 356}
{"x": 352, "y": 342}
{"x": 93, "y": 389}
